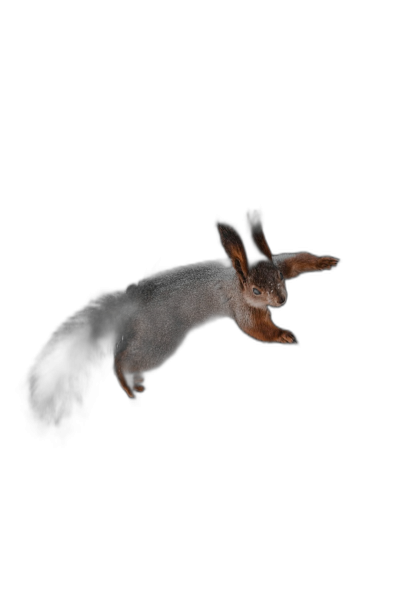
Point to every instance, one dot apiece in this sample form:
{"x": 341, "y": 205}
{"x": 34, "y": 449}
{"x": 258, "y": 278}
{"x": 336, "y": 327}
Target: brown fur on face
{"x": 265, "y": 278}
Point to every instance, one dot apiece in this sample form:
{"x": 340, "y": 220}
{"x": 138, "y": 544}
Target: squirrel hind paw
{"x": 136, "y": 380}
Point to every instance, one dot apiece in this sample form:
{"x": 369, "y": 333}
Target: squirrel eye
{"x": 256, "y": 292}
{"x": 281, "y": 275}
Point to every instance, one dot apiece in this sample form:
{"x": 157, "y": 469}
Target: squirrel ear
{"x": 234, "y": 248}
{"x": 258, "y": 235}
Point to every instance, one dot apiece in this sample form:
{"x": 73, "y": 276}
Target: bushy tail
{"x": 58, "y": 377}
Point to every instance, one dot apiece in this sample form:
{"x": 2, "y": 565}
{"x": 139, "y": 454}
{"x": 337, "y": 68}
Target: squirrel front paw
{"x": 326, "y": 262}
{"x": 286, "y": 337}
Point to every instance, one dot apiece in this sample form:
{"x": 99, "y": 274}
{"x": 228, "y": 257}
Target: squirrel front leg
{"x": 258, "y": 324}
{"x": 296, "y": 263}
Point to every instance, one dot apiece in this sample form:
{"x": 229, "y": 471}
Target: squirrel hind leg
{"x": 128, "y": 379}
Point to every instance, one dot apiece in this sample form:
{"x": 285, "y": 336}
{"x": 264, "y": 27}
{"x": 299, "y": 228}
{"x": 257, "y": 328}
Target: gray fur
{"x": 168, "y": 305}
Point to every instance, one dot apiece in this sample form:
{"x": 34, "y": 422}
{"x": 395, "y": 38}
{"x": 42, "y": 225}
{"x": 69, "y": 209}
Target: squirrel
{"x": 146, "y": 323}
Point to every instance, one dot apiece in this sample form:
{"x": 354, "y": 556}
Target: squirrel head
{"x": 263, "y": 283}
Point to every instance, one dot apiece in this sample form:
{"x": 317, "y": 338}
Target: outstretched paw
{"x": 326, "y": 262}
{"x": 286, "y": 337}
{"x": 139, "y": 388}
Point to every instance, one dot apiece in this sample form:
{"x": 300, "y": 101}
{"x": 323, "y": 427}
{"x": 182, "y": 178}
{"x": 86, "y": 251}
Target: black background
{"x": 117, "y": 178}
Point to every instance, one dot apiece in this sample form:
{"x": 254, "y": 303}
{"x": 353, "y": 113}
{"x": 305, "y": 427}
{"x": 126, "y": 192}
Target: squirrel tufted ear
{"x": 234, "y": 248}
{"x": 258, "y": 235}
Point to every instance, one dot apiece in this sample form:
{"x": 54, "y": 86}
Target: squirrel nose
{"x": 282, "y": 301}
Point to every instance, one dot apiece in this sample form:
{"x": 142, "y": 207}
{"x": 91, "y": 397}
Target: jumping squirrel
{"x": 138, "y": 328}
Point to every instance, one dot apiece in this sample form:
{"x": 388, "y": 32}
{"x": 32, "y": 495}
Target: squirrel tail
{"x": 61, "y": 370}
